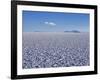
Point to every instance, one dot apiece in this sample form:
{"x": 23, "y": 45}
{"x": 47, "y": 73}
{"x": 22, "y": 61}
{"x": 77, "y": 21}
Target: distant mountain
{"x": 74, "y": 31}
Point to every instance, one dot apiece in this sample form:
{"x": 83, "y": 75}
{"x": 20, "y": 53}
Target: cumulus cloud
{"x": 50, "y": 23}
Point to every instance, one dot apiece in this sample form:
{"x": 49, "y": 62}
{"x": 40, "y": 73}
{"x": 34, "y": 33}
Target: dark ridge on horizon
{"x": 74, "y": 31}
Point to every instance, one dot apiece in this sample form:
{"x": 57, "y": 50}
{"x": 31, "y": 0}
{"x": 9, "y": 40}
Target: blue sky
{"x": 54, "y": 21}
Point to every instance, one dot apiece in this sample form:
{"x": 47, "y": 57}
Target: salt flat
{"x": 55, "y": 49}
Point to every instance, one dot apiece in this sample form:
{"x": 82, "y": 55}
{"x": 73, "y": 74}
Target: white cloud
{"x": 50, "y": 23}
{"x": 46, "y": 22}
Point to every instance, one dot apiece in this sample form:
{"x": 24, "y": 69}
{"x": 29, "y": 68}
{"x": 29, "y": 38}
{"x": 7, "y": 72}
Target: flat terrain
{"x": 55, "y": 49}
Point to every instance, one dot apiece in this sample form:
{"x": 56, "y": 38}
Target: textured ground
{"x": 45, "y": 49}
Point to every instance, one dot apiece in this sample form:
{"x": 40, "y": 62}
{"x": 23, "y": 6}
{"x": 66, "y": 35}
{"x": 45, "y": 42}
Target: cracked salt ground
{"x": 45, "y": 50}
